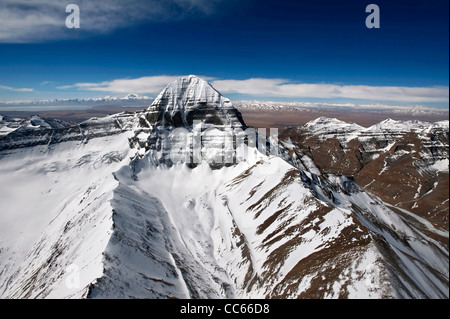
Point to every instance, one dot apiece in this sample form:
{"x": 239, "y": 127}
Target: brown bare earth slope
{"x": 397, "y": 165}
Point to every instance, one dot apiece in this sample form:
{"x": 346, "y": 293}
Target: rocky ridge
{"x": 403, "y": 163}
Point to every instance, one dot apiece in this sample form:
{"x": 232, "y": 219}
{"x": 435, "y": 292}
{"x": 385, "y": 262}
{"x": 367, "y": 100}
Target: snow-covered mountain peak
{"x": 188, "y": 92}
{"x": 442, "y": 124}
{"x": 325, "y": 124}
{"x": 186, "y": 110}
{"x": 401, "y": 126}
{"x": 191, "y": 98}
{"x": 134, "y": 96}
{"x": 325, "y": 127}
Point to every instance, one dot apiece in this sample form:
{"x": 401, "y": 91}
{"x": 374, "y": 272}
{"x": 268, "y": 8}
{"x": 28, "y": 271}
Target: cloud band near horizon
{"x": 279, "y": 88}
{"x": 9, "y": 88}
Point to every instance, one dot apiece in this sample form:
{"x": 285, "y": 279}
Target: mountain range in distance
{"x": 281, "y": 115}
{"x": 131, "y": 99}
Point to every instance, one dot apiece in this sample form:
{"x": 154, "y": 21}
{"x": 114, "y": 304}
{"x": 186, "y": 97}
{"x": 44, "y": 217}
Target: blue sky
{"x": 249, "y": 49}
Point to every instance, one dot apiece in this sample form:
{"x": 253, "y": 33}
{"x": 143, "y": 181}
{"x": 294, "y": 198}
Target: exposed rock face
{"x": 189, "y": 99}
{"x": 33, "y": 131}
{"x": 190, "y": 121}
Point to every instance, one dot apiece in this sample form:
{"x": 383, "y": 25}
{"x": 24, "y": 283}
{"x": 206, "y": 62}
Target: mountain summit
{"x": 191, "y": 98}
{"x": 190, "y": 118}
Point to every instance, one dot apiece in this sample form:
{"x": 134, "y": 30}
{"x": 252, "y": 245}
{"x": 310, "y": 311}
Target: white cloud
{"x": 147, "y": 84}
{"x": 287, "y": 89}
{"x": 278, "y": 88}
{"x": 8, "y": 88}
{"x": 40, "y": 20}
{"x": 142, "y": 85}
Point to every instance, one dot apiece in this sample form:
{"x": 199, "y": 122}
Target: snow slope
{"x": 55, "y": 206}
